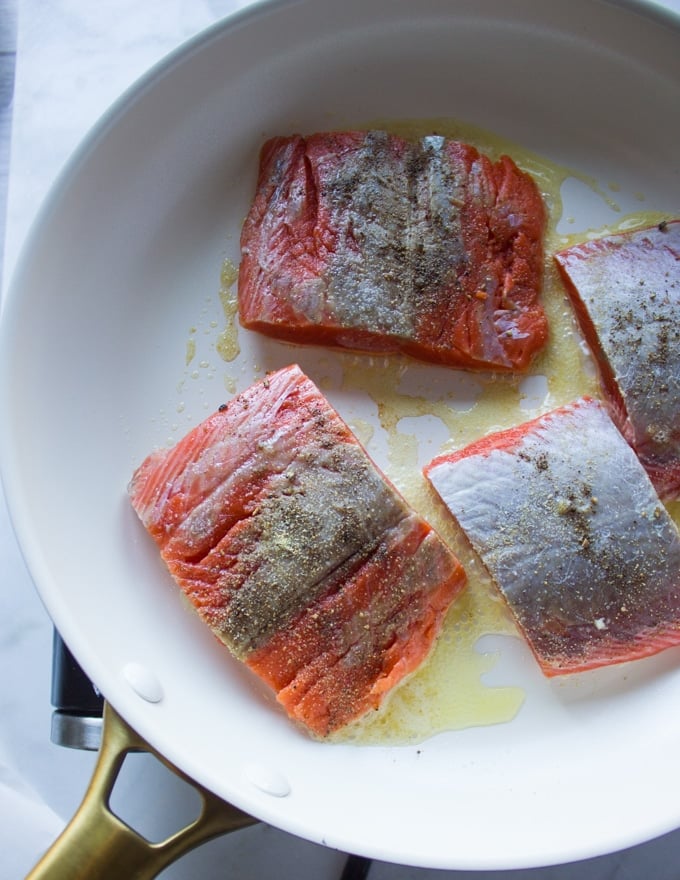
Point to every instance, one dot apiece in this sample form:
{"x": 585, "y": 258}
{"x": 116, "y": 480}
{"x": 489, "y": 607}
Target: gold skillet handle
{"x": 96, "y": 843}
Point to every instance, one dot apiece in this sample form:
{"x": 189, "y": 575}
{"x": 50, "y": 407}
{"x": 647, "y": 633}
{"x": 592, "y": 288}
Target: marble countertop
{"x": 74, "y": 58}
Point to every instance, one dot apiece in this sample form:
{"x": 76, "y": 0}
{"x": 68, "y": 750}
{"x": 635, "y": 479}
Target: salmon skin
{"x": 569, "y": 526}
{"x": 297, "y": 552}
{"x": 626, "y": 293}
{"x": 369, "y": 242}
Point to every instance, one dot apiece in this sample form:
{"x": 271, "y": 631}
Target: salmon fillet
{"x": 297, "y": 552}
{"x": 569, "y": 526}
{"x": 369, "y": 242}
{"x": 626, "y": 293}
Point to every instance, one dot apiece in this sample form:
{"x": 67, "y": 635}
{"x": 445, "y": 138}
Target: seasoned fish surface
{"x": 297, "y": 552}
{"x": 626, "y": 291}
{"x": 569, "y": 526}
{"x": 369, "y": 242}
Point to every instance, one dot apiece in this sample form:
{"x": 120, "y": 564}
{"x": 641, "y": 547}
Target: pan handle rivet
{"x": 267, "y": 779}
{"x": 143, "y": 682}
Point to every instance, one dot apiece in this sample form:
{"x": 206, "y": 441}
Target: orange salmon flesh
{"x": 297, "y": 552}
{"x": 368, "y": 242}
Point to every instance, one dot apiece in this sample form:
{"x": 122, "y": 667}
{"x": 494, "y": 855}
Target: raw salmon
{"x": 569, "y": 526}
{"x": 297, "y": 552}
{"x": 626, "y": 293}
{"x": 370, "y": 242}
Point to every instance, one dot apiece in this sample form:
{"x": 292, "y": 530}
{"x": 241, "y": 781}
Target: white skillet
{"x": 124, "y": 261}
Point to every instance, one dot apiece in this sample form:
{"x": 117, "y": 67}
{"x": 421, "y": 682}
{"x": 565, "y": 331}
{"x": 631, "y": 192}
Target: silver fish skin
{"x": 626, "y": 291}
{"x": 569, "y": 526}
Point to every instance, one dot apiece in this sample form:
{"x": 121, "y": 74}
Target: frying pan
{"x": 121, "y": 271}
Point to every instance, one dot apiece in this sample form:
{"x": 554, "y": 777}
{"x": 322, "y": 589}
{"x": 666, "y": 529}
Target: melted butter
{"x": 190, "y": 351}
{"x": 362, "y": 430}
{"x": 227, "y": 344}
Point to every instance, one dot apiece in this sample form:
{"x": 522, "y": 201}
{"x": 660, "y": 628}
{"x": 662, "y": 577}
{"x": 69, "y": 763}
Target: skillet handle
{"x": 96, "y": 843}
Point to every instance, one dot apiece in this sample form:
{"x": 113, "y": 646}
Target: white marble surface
{"x": 74, "y": 58}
